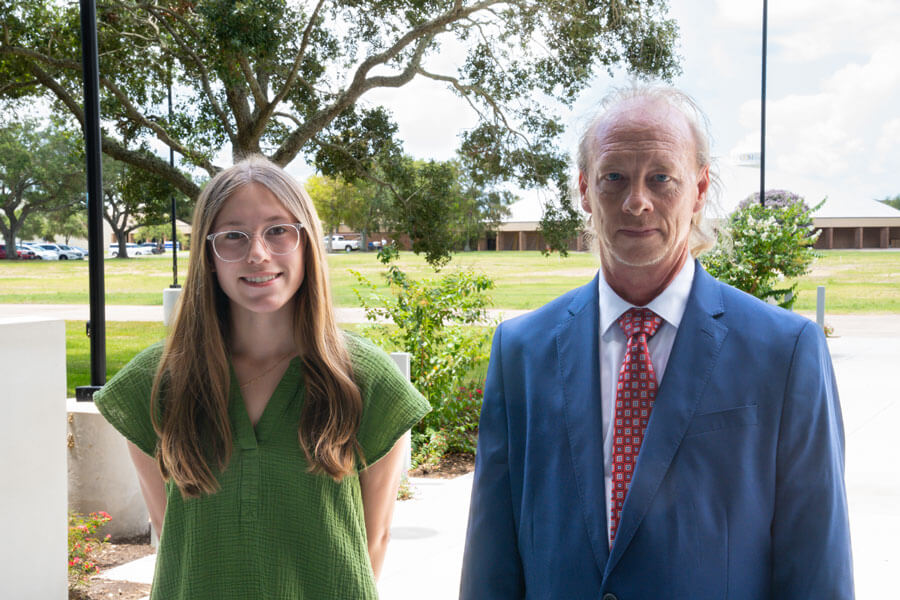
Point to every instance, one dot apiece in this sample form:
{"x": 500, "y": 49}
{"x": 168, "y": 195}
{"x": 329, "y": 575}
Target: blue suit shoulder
{"x": 539, "y": 323}
{"x": 752, "y": 319}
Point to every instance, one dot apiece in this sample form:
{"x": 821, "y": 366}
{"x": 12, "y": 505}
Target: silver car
{"x": 73, "y": 252}
{"x": 62, "y": 251}
{"x": 42, "y": 253}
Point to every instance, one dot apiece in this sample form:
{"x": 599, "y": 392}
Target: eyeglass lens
{"x": 235, "y": 245}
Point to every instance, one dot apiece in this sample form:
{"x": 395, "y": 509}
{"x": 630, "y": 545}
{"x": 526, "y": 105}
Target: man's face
{"x": 643, "y": 187}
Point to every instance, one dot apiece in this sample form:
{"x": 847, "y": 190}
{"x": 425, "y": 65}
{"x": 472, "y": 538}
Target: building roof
{"x": 526, "y": 210}
{"x": 835, "y": 208}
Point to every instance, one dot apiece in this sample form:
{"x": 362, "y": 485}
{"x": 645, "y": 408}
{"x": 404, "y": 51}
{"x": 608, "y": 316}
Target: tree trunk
{"x": 121, "y": 238}
{"x": 10, "y": 241}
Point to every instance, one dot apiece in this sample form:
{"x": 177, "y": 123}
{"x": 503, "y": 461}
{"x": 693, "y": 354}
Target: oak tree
{"x": 294, "y": 78}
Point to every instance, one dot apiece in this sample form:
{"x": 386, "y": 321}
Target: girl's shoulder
{"x": 367, "y": 360}
{"x": 125, "y": 399}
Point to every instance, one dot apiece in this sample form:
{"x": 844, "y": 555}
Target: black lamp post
{"x": 172, "y": 164}
{"x": 96, "y": 326}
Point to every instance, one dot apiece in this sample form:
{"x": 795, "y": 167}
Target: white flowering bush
{"x": 761, "y": 246}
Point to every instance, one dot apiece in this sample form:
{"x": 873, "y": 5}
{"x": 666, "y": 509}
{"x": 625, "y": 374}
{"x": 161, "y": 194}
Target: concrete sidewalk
{"x": 425, "y": 555}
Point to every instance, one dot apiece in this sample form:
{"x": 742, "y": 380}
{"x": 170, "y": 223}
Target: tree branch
{"x": 200, "y": 66}
{"x": 76, "y": 108}
{"x": 298, "y": 59}
{"x": 258, "y": 96}
{"x": 152, "y": 164}
{"x": 361, "y": 83}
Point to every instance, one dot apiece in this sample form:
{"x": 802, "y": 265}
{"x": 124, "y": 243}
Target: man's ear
{"x": 582, "y": 187}
{"x": 703, "y": 183}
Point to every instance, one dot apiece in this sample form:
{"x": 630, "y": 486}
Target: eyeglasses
{"x": 234, "y": 245}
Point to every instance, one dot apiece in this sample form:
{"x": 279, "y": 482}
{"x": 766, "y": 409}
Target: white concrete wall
{"x": 101, "y": 474}
{"x": 33, "y": 459}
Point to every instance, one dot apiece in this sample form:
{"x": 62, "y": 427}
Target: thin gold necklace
{"x": 267, "y": 371}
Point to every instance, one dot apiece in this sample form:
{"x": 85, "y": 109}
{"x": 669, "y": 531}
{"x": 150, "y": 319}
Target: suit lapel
{"x": 694, "y": 355}
{"x": 578, "y": 339}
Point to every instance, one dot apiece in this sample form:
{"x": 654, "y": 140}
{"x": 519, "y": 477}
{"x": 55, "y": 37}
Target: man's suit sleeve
{"x": 492, "y": 567}
{"x": 810, "y": 529}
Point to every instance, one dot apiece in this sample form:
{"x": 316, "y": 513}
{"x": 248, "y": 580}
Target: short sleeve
{"x": 125, "y": 400}
{"x": 391, "y": 405}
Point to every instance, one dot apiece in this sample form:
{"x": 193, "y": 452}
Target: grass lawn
{"x": 137, "y": 280}
{"x": 123, "y": 341}
{"x": 856, "y": 281}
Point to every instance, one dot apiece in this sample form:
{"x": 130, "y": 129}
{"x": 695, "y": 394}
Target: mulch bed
{"x": 113, "y": 555}
{"x": 451, "y": 465}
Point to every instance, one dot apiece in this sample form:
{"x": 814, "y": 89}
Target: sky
{"x": 833, "y": 86}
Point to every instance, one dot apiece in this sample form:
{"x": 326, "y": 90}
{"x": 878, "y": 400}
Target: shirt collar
{"x": 669, "y": 305}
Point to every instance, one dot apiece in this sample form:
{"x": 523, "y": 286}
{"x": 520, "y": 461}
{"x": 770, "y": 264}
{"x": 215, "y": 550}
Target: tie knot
{"x": 639, "y": 320}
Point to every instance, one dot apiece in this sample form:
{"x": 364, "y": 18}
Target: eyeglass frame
{"x": 211, "y": 238}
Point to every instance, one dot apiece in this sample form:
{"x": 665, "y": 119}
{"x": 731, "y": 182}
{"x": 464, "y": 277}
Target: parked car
{"x": 340, "y": 243}
{"x": 131, "y": 249}
{"x": 62, "y": 252}
{"x": 21, "y": 253}
{"x": 41, "y": 253}
{"x": 77, "y": 251}
{"x": 153, "y": 247}
{"x": 377, "y": 244}
{"x": 26, "y": 253}
{"x": 82, "y": 250}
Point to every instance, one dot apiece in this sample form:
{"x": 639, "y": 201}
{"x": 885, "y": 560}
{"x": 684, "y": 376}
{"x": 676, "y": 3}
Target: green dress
{"x": 273, "y": 531}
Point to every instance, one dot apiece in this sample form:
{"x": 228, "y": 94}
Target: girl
{"x": 265, "y": 439}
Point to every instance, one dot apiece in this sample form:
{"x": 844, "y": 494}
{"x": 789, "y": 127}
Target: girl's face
{"x": 261, "y": 282}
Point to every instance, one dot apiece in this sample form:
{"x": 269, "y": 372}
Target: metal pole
{"x": 172, "y": 164}
{"x": 762, "y": 137}
{"x": 96, "y": 327}
{"x": 820, "y": 306}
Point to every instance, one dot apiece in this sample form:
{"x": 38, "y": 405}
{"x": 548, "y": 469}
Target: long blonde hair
{"x": 189, "y": 400}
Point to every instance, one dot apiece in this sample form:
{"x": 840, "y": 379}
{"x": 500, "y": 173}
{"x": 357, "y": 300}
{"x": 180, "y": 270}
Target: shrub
{"x": 760, "y": 246}
{"x": 83, "y": 545}
{"x": 440, "y": 322}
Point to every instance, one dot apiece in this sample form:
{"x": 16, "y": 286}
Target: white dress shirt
{"x": 669, "y": 305}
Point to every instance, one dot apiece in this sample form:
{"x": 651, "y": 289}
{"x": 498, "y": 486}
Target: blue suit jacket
{"x": 739, "y": 486}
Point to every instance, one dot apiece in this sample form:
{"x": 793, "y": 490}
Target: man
{"x": 655, "y": 433}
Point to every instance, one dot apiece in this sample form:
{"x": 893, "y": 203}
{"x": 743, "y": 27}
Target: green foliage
{"x": 560, "y": 222}
{"x": 355, "y": 203}
{"x": 83, "y": 545}
{"x": 41, "y": 179}
{"x": 287, "y": 78}
{"x": 894, "y": 202}
{"x": 760, "y": 246}
{"x": 163, "y": 231}
{"x": 441, "y": 206}
{"x": 434, "y": 321}
{"x": 133, "y": 198}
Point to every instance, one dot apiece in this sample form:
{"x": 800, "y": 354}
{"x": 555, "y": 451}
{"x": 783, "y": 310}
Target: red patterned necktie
{"x": 635, "y": 394}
